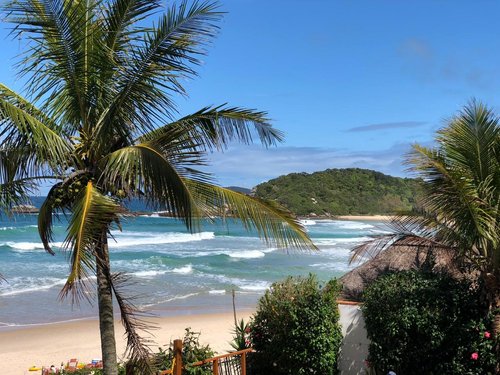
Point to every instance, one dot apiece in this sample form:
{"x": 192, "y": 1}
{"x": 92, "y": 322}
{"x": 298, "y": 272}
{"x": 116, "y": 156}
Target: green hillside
{"x": 341, "y": 192}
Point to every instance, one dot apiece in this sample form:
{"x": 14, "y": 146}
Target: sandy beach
{"x": 364, "y": 217}
{"x": 52, "y": 343}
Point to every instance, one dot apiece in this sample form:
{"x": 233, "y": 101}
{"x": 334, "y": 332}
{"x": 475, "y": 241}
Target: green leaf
{"x": 89, "y": 223}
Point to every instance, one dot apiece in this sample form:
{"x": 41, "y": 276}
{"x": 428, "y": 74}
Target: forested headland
{"x": 350, "y": 191}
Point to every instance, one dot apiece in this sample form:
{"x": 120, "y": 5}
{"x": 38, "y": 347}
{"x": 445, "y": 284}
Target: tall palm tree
{"x": 98, "y": 119}
{"x": 460, "y": 209}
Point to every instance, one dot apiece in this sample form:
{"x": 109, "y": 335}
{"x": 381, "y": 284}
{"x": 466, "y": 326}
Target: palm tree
{"x": 460, "y": 209}
{"x": 98, "y": 121}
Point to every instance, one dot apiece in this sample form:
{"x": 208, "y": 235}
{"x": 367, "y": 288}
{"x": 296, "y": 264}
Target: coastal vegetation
{"x": 459, "y": 211}
{"x": 96, "y": 121}
{"x": 350, "y": 191}
{"x": 427, "y": 323}
{"x": 296, "y": 329}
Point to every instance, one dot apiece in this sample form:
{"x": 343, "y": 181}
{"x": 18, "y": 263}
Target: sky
{"x": 350, "y": 83}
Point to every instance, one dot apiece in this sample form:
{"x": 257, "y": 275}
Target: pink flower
{"x": 487, "y": 335}
{"x": 474, "y": 356}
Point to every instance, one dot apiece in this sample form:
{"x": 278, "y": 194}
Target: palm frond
{"x": 45, "y": 217}
{"x": 469, "y": 141}
{"x": 461, "y": 179}
{"x": 215, "y": 127}
{"x": 273, "y": 223}
{"x": 64, "y": 44}
{"x": 154, "y": 68}
{"x": 145, "y": 170}
{"x": 453, "y": 193}
{"x": 121, "y": 18}
{"x": 138, "y": 349}
{"x": 90, "y": 219}
{"x": 17, "y": 177}
{"x": 22, "y": 126}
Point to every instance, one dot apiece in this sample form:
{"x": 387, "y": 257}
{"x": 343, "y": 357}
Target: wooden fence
{"x": 234, "y": 363}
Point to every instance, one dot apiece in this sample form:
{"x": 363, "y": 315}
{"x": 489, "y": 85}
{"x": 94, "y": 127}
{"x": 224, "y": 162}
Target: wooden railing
{"x": 225, "y": 363}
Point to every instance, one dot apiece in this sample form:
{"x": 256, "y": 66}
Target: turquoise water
{"x": 171, "y": 271}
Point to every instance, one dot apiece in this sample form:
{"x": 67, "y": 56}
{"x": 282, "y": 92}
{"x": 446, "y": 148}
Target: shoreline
{"x": 364, "y": 217}
{"x": 349, "y": 217}
{"x": 53, "y": 343}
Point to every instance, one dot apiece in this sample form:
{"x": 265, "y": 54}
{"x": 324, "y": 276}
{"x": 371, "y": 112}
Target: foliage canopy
{"x": 348, "y": 191}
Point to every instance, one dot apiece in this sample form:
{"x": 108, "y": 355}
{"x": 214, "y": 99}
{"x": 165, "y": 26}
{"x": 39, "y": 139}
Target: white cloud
{"x": 250, "y": 165}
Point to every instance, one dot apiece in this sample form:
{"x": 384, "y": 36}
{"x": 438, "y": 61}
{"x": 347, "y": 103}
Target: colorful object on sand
{"x": 72, "y": 365}
{"x": 34, "y": 368}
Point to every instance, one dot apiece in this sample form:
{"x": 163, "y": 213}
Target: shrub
{"x": 241, "y": 336}
{"x": 423, "y": 323}
{"x": 295, "y": 329}
{"x": 192, "y": 351}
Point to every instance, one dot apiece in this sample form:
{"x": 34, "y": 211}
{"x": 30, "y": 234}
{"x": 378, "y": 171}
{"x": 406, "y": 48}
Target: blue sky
{"x": 351, "y": 83}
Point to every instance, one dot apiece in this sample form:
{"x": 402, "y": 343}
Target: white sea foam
{"x": 333, "y": 266}
{"x": 247, "y": 254}
{"x": 159, "y": 239}
{"x": 20, "y": 285}
{"x": 340, "y": 241}
{"x": 28, "y": 246}
{"x": 170, "y": 299}
{"x": 3, "y": 324}
{"x": 255, "y": 286}
{"x": 353, "y": 225}
{"x": 149, "y": 274}
{"x": 217, "y": 291}
{"x": 131, "y": 239}
{"x": 184, "y": 270}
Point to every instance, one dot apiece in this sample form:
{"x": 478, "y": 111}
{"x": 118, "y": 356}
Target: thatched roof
{"x": 398, "y": 259}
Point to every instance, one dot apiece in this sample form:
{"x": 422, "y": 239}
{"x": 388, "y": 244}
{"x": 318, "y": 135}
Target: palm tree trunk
{"x": 105, "y": 301}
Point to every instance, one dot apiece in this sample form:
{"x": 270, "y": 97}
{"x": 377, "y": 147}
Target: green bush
{"x": 423, "y": 323}
{"x": 295, "y": 329}
{"x": 192, "y": 352}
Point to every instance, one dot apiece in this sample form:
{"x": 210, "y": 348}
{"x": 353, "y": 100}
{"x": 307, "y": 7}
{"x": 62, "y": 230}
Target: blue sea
{"x": 171, "y": 271}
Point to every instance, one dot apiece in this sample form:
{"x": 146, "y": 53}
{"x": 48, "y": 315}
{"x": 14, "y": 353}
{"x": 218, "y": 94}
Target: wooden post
{"x": 244, "y": 363}
{"x": 178, "y": 357}
{"x": 216, "y": 367}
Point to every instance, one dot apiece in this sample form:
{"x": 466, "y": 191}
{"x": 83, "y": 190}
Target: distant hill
{"x": 240, "y": 189}
{"x": 349, "y": 191}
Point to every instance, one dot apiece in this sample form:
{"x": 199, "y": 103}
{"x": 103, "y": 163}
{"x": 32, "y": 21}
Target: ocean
{"x": 171, "y": 271}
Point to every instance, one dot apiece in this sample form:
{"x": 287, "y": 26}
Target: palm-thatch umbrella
{"x": 400, "y": 258}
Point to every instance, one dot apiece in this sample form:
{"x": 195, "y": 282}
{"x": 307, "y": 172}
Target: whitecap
{"x": 20, "y": 285}
{"x": 217, "y": 291}
{"x": 255, "y": 286}
{"x": 333, "y": 266}
{"x": 148, "y": 274}
{"x": 28, "y": 246}
{"x": 184, "y": 270}
{"x": 174, "y": 298}
{"x": 174, "y": 237}
{"x": 247, "y": 254}
{"x": 353, "y": 225}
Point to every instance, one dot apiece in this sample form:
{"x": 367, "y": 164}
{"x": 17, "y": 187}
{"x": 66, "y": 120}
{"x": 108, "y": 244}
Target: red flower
{"x": 474, "y": 356}
{"x": 487, "y": 335}
{"x": 247, "y": 330}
